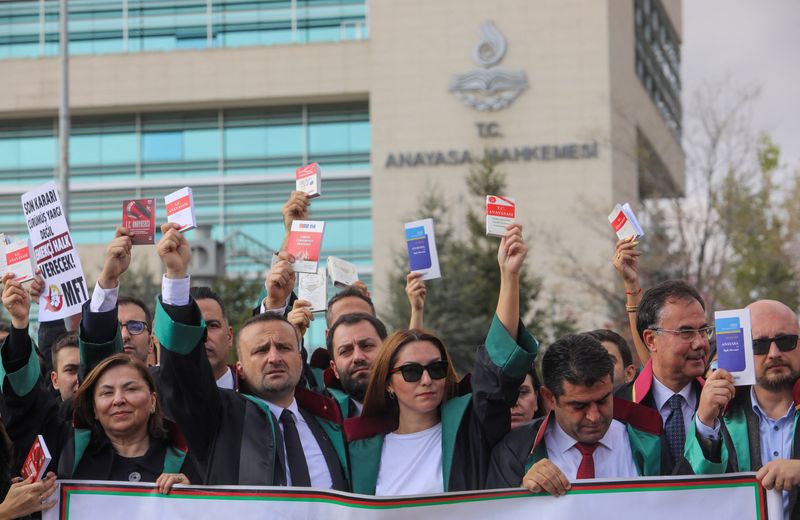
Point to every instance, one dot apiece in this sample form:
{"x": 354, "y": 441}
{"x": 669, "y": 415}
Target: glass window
{"x": 162, "y": 146}
{"x": 201, "y": 144}
{"x": 245, "y": 142}
{"x": 285, "y": 140}
{"x": 9, "y": 154}
{"x": 118, "y": 148}
{"x": 37, "y": 151}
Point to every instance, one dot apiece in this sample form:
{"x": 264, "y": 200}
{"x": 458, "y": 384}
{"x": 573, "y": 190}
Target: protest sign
{"x": 65, "y": 286}
{"x": 656, "y": 498}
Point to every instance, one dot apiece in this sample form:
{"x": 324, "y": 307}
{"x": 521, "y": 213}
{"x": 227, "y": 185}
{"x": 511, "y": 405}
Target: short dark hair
{"x": 352, "y": 319}
{"x": 207, "y": 293}
{"x": 578, "y": 359}
{"x": 131, "y": 300}
{"x": 602, "y": 335}
{"x": 265, "y": 318}
{"x": 347, "y": 292}
{"x": 65, "y": 340}
{"x": 656, "y": 298}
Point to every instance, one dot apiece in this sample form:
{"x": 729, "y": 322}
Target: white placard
{"x": 65, "y": 286}
{"x": 654, "y": 498}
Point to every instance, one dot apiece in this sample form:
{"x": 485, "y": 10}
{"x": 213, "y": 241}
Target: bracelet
{"x": 631, "y": 308}
{"x": 634, "y": 293}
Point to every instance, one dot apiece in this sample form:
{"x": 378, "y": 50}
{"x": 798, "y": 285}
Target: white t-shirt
{"x": 411, "y": 464}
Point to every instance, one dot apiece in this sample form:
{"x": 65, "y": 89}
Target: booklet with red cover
{"x": 304, "y": 243}
{"x": 37, "y": 460}
{"x": 139, "y": 217}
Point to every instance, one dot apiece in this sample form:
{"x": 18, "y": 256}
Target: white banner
{"x": 659, "y": 498}
{"x": 65, "y": 287}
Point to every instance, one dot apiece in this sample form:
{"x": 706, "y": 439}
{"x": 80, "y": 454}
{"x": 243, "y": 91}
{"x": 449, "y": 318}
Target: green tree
{"x": 459, "y": 306}
{"x": 761, "y": 264}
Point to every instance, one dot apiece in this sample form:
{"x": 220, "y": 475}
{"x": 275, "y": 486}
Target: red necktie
{"x": 586, "y": 467}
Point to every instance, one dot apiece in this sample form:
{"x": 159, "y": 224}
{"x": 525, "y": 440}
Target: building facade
{"x": 579, "y": 99}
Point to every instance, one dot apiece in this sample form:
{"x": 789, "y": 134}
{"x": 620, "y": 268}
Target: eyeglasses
{"x": 786, "y": 343}
{"x": 135, "y": 327}
{"x": 688, "y": 334}
{"x": 412, "y": 372}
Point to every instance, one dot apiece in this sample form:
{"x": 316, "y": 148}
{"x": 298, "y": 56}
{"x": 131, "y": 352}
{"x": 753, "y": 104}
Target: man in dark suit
{"x": 673, "y": 324}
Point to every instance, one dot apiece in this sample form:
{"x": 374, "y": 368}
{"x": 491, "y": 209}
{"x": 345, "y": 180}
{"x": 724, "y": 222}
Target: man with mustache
{"x": 672, "y": 322}
{"x": 589, "y": 433}
{"x": 753, "y": 428}
{"x": 353, "y": 342}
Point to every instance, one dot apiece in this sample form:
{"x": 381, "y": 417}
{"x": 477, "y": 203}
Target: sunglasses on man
{"x": 785, "y": 343}
{"x": 412, "y": 372}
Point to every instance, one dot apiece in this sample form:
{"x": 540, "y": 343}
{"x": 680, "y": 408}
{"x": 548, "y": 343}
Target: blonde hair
{"x": 376, "y": 400}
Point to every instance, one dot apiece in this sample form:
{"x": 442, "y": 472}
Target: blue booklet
{"x": 421, "y": 244}
{"x": 735, "y": 345}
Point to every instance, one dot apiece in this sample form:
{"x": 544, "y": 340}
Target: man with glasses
{"x": 673, "y": 325}
{"x": 757, "y": 428}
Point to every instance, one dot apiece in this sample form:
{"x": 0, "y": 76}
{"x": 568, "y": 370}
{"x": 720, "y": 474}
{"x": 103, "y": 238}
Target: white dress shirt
{"x": 227, "y": 380}
{"x": 318, "y": 470}
{"x": 613, "y": 457}
{"x": 103, "y": 300}
{"x": 661, "y": 395}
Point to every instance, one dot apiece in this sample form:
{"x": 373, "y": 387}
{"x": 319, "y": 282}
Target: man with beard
{"x": 757, "y": 428}
{"x": 672, "y": 322}
{"x": 353, "y": 342}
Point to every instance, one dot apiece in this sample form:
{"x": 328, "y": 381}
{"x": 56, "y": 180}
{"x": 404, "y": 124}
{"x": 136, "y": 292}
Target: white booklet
{"x": 313, "y": 287}
{"x": 341, "y": 272}
{"x": 624, "y": 222}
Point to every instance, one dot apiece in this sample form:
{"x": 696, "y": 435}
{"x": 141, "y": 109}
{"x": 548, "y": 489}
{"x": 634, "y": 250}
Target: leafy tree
{"x": 459, "y": 306}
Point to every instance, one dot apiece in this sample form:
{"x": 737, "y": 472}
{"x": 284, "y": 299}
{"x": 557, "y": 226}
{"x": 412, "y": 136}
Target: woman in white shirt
{"x": 415, "y": 434}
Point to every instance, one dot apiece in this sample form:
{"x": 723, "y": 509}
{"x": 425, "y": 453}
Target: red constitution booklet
{"x": 37, "y": 460}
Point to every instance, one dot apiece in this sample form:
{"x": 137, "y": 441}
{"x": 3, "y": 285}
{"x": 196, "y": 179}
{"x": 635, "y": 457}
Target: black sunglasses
{"x": 412, "y": 372}
{"x": 785, "y": 344}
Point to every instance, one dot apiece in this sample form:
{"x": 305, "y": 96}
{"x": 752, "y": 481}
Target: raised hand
{"x": 37, "y": 286}
{"x": 301, "y": 316}
{"x": 296, "y": 208}
{"x": 280, "y": 281}
{"x": 174, "y": 250}
{"x": 512, "y": 251}
{"x": 117, "y": 260}
{"x": 544, "y": 476}
{"x": 361, "y": 286}
{"x": 17, "y": 301}
{"x": 626, "y": 261}
{"x": 716, "y": 394}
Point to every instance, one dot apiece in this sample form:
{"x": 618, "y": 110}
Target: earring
{"x": 391, "y": 394}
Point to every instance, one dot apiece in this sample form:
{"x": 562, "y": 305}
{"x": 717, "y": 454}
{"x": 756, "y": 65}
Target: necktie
{"x": 586, "y": 467}
{"x": 674, "y": 429}
{"x": 298, "y": 469}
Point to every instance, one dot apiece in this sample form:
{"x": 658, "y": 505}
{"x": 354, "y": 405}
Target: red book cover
{"x": 37, "y": 460}
{"x": 304, "y": 243}
{"x": 139, "y": 217}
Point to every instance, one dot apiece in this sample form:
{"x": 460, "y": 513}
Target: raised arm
{"x": 296, "y": 208}
{"x": 187, "y": 385}
{"x": 626, "y": 262}
{"x": 27, "y": 408}
{"x": 502, "y": 363}
{"x": 99, "y": 335}
{"x": 416, "y": 292}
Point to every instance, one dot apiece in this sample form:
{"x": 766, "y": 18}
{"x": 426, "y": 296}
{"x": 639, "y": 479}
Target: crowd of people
{"x": 136, "y": 393}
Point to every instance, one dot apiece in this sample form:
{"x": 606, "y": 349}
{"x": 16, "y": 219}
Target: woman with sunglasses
{"x": 118, "y": 431}
{"x": 415, "y": 434}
